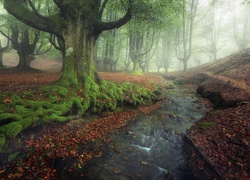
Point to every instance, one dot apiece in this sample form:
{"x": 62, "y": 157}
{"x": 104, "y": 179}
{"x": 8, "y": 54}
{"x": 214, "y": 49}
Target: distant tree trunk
{"x": 127, "y": 61}
{"x": 184, "y": 53}
{"x": 21, "y": 42}
{"x": 167, "y": 48}
{"x": 135, "y": 50}
{"x": 242, "y": 37}
{"x": 59, "y": 45}
{"x": 106, "y": 59}
{"x": 212, "y": 32}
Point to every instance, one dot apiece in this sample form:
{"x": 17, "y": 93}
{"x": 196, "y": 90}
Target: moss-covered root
{"x": 62, "y": 103}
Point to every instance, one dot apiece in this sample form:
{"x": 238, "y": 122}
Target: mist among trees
{"x": 134, "y": 36}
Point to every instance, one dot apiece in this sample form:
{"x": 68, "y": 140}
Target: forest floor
{"x": 223, "y": 135}
{"x": 46, "y": 144}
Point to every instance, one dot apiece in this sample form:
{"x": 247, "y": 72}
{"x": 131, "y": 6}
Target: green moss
{"x": 10, "y": 117}
{"x": 55, "y": 117}
{"x": 11, "y": 130}
{"x": 27, "y": 122}
{"x": 13, "y": 156}
{"x": 206, "y": 125}
{"x": 37, "y": 113}
{"x": 29, "y": 95}
{"x": 23, "y": 109}
{"x": 63, "y": 107}
{"x": 2, "y": 141}
{"x": 79, "y": 105}
{"x": 32, "y": 104}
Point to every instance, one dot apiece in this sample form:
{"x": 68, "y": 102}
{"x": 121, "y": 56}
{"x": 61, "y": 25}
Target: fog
{"x": 220, "y": 28}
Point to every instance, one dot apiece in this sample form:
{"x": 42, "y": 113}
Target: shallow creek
{"x": 151, "y": 146}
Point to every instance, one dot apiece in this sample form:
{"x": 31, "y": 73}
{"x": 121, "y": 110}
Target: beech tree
{"x": 241, "y": 29}
{"x": 78, "y": 24}
{"x": 212, "y": 28}
{"x": 185, "y": 34}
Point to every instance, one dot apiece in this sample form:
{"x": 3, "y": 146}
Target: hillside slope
{"x": 222, "y": 138}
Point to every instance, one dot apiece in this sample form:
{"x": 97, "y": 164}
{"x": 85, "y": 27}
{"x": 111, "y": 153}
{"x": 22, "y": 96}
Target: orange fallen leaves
{"x": 7, "y": 100}
{"x": 227, "y": 147}
{"x": 64, "y": 141}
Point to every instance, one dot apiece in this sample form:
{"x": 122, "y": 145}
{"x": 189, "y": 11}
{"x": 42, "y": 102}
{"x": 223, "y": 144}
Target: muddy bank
{"x": 219, "y": 143}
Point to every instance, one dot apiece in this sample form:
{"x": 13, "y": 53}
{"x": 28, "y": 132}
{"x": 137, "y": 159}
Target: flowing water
{"x": 151, "y": 146}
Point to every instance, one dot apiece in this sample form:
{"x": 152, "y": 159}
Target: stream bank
{"x": 151, "y": 146}
{"x": 222, "y": 137}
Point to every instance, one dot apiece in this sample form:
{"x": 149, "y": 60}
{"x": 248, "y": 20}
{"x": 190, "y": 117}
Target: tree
{"x": 211, "y": 29}
{"x": 184, "y": 35}
{"x": 27, "y": 42}
{"x": 167, "y": 47}
{"x": 241, "y": 29}
{"x": 60, "y": 46}
{"x": 78, "y": 24}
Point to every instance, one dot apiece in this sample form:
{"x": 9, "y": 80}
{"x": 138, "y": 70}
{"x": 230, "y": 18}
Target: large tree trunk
{"x": 79, "y": 60}
{"x": 136, "y": 59}
{"x": 135, "y": 66}
{"x": 24, "y": 60}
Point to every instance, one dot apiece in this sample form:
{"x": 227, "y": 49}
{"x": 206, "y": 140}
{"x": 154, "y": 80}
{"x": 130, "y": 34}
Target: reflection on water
{"x": 150, "y": 147}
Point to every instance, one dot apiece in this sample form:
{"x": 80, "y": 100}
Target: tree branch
{"x": 35, "y": 10}
{"x": 21, "y": 12}
{"x": 103, "y": 7}
{"x": 103, "y": 26}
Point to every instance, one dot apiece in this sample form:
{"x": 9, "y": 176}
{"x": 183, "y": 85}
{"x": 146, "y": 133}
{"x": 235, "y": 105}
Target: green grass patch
{"x": 206, "y": 125}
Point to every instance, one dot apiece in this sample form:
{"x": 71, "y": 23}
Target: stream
{"x": 151, "y": 146}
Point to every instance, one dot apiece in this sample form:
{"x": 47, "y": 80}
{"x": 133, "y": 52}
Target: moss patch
{"x": 11, "y": 130}
{"x": 206, "y": 125}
